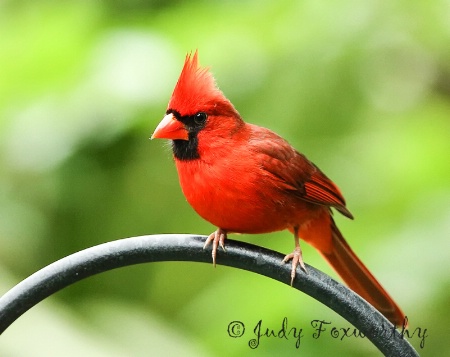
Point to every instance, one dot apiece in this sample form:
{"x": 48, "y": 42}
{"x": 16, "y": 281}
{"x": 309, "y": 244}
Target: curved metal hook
{"x": 184, "y": 247}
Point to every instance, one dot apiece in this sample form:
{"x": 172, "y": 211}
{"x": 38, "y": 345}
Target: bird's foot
{"x": 217, "y": 238}
{"x": 297, "y": 259}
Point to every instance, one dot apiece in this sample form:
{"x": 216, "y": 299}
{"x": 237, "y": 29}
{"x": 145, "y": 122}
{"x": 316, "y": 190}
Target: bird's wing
{"x": 295, "y": 173}
{"x": 319, "y": 188}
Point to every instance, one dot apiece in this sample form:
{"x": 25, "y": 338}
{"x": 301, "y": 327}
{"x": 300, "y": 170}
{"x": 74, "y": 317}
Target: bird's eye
{"x": 200, "y": 118}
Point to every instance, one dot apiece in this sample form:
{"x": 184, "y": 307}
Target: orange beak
{"x": 170, "y": 128}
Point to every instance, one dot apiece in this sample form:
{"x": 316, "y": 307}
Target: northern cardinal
{"x": 244, "y": 178}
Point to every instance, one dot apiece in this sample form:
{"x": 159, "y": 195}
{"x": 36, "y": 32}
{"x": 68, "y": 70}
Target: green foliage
{"x": 362, "y": 88}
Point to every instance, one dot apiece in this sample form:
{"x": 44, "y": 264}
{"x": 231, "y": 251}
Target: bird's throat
{"x": 186, "y": 150}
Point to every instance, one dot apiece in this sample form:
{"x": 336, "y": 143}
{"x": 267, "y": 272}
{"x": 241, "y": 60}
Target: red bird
{"x": 244, "y": 178}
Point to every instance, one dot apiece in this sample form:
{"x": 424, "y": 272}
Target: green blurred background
{"x": 362, "y": 88}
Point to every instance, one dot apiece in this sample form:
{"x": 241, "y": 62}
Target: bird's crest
{"x": 196, "y": 88}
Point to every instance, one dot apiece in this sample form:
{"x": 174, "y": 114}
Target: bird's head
{"x": 197, "y": 111}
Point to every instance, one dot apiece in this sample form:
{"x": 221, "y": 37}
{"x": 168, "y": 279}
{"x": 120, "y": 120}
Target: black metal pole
{"x": 176, "y": 247}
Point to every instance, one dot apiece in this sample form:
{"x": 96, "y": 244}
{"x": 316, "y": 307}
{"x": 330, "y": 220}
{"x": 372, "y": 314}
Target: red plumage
{"x": 243, "y": 178}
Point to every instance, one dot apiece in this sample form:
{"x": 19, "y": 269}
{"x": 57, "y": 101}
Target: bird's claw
{"x": 218, "y": 239}
{"x": 297, "y": 259}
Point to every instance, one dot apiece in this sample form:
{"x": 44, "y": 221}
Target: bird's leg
{"x": 296, "y": 256}
{"x": 217, "y": 238}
